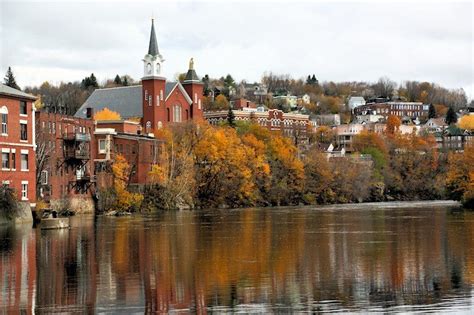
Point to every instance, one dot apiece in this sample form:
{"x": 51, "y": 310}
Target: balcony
{"x": 80, "y": 137}
{"x": 75, "y": 154}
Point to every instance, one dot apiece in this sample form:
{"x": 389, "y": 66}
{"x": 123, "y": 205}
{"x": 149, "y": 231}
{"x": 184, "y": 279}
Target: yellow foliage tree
{"x": 125, "y": 200}
{"x": 467, "y": 122}
{"x": 107, "y": 114}
{"x": 460, "y": 176}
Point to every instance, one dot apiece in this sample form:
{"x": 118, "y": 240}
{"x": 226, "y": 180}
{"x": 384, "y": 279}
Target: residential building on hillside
{"x": 17, "y": 143}
{"x": 289, "y": 100}
{"x": 327, "y": 120}
{"x": 355, "y": 101}
{"x": 412, "y": 110}
{"x": 346, "y": 133}
{"x": 296, "y": 126}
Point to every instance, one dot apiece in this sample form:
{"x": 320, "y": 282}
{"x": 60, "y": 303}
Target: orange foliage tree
{"x": 460, "y": 176}
{"x": 467, "y": 122}
{"x": 107, "y": 114}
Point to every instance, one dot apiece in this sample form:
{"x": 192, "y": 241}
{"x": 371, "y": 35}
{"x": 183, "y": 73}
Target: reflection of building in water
{"x": 67, "y": 268}
{"x": 267, "y": 259}
{"x": 17, "y": 269}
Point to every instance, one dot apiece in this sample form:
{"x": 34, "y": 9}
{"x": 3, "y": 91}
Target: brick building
{"x": 64, "y": 160}
{"x": 17, "y": 143}
{"x": 412, "y": 110}
{"x": 291, "y": 125}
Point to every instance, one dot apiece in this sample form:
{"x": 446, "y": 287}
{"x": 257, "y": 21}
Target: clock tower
{"x": 153, "y": 87}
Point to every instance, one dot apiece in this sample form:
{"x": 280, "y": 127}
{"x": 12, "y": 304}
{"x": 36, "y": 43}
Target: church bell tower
{"x": 153, "y": 87}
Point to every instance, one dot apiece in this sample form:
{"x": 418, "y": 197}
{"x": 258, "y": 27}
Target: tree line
{"x": 203, "y": 166}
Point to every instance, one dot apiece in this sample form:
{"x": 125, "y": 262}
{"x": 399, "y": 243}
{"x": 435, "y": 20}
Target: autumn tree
{"x": 125, "y": 200}
{"x": 10, "y": 79}
{"x": 460, "y": 177}
{"x": 171, "y": 183}
{"x": 393, "y": 124}
{"x": 107, "y": 114}
{"x": 467, "y": 122}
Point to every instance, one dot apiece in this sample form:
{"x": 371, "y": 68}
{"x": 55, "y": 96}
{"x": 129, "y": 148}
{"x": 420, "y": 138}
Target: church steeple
{"x": 153, "y": 60}
{"x": 153, "y": 46}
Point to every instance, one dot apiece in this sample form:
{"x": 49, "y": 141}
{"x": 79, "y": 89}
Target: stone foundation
{"x": 80, "y": 205}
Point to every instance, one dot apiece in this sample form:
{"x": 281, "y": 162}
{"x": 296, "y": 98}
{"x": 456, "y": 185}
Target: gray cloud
{"x": 336, "y": 41}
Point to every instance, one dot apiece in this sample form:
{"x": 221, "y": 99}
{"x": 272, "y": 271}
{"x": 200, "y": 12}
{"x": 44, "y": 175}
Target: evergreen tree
{"x": 308, "y": 80}
{"x": 10, "y": 79}
{"x": 314, "y": 80}
{"x": 117, "y": 80}
{"x": 231, "y": 117}
{"x": 431, "y": 111}
{"x": 451, "y": 117}
{"x": 94, "y": 81}
{"x": 125, "y": 81}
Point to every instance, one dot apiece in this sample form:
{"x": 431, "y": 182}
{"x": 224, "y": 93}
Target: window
{"x": 24, "y": 190}
{"x": 146, "y": 95}
{"x": 23, "y": 132}
{"x": 44, "y": 177}
{"x": 23, "y": 108}
{"x": 150, "y": 100}
{"x": 102, "y": 146}
{"x": 177, "y": 113}
{"x": 5, "y": 160}
{"x": 24, "y": 161}
{"x": 157, "y": 100}
{"x": 168, "y": 113}
{"x": 148, "y": 126}
{"x": 4, "y": 124}
{"x": 13, "y": 161}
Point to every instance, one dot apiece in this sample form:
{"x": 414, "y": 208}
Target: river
{"x": 408, "y": 257}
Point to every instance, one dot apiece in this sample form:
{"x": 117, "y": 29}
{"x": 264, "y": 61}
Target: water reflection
{"x": 249, "y": 260}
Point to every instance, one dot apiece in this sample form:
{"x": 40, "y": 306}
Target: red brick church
{"x": 155, "y": 102}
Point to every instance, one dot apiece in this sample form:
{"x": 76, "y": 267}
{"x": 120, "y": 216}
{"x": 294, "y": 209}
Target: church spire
{"x": 153, "y": 47}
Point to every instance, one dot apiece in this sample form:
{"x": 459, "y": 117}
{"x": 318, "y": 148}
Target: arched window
{"x": 4, "y": 114}
{"x": 148, "y": 126}
{"x": 168, "y": 113}
{"x": 160, "y": 125}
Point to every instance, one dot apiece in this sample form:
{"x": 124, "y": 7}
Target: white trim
{"x": 24, "y": 182}
{"x": 17, "y": 144}
{"x": 5, "y": 150}
{"x": 22, "y": 121}
{"x": 23, "y": 115}
{"x": 13, "y": 150}
{"x": 105, "y": 131}
{"x": 5, "y": 182}
{"x": 24, "y": 151}
{"x": 183, "y": 91}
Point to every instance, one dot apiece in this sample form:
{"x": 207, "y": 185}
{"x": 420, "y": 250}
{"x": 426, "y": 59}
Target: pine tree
{"x": 231, "y": 117}
{"x": 117, "y": 80}
{"x": 125, "y": 81}
{"x": 314, "y": 80}
{"x": 10, "y": 79}
{"x": 94, "y": 81}
{"x": 308, "y": 80}
{"x": 451, "y": 117}
{"x": 432, "y": 111}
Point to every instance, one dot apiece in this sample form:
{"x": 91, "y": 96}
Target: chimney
{"x": 89, "y": 112}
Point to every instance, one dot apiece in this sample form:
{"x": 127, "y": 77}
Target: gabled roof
{"x": 127, "y": 100}
{"x": 9, "y": 91}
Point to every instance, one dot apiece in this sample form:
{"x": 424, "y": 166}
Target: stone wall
{"x": 80, "y": 205}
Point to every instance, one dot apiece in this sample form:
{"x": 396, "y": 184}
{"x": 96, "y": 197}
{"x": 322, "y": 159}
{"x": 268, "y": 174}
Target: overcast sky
{"x": 339, "y": 41}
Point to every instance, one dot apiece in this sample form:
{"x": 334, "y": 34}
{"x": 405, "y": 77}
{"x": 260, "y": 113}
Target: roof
{"x": 191, "y": 76}
{"x": 356, "y": 99}
{"x": 153, "y": 46}
{"x": 127, "y": 100}
{"x": 6, "y": 90}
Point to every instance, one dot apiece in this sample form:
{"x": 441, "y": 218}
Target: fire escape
{"x": 77, "y": 154}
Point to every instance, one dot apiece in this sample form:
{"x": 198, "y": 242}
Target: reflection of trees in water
{"x": 278, "y": 258}
{"x": 6, "y": 238}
